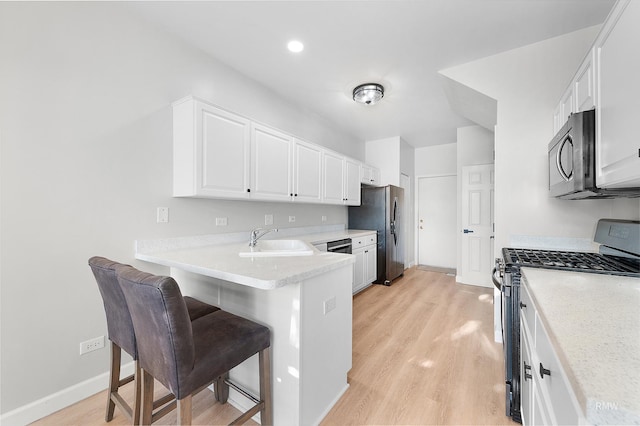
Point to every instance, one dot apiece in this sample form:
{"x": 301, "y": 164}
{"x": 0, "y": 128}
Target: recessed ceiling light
{"x": 295, "y": 46}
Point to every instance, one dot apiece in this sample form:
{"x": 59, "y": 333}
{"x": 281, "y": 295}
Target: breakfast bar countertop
{"x": 217, "y": 256}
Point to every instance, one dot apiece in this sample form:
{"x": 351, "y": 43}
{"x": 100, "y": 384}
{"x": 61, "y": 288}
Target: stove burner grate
{"x": 574, "y": 261}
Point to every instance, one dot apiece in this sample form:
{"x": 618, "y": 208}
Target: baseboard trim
{"x": 330, "y": 406}
{"x": 242, "y": 403}
{"x": 57, "y": 401}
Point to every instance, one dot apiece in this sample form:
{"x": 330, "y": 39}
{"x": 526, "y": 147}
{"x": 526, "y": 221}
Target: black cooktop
{"x": 572, "y": 261}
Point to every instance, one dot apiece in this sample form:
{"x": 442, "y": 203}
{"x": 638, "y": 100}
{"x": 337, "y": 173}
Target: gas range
{"x": 619, "y": 255}
{"x": 596, "y": 263}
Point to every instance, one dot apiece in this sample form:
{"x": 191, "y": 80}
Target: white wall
{"x": 85, "y": 131}
{"x": 527, "y": 83}
{"x": 436, "y": 160}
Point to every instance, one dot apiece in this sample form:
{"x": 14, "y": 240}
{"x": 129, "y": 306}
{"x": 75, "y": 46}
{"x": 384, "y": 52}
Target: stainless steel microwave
{"x": 572, "y": 162}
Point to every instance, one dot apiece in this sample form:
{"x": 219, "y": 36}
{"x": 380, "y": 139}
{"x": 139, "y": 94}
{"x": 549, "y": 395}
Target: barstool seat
{"x": 187, "y": 356}
{"x": 121, "y": 334}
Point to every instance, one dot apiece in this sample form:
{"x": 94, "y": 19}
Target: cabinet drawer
{"x": 558, "y": 391}
{"x": 363, "y": 241}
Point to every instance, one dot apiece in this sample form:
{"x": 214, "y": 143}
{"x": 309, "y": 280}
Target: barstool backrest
{"x": 119, "y": 323}
{"x": 161, "y": 322}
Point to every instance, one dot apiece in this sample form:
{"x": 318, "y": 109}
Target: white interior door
{"x": 437, "y": 206}
{"x": 477, "y": 225}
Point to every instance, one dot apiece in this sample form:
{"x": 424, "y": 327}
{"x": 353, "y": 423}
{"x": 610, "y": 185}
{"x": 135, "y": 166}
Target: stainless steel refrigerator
{"x": 381, "y": 210}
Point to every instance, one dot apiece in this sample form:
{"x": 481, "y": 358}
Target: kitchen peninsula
{"x": 306, "y": 301}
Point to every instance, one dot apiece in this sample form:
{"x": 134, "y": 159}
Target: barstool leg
{"x": 266, "y": 414}
{"x": 184, "y": 411}
{"x": 147, "y": 397}
{"x": 221, "y": 389}
{"x": 114, "y": 380}
{"x": 137, "y": 390}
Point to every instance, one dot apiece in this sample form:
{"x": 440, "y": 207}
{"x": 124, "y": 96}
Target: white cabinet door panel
{"x": 270, "y": 164}
{"x": 307, "y": 172}
{"x": 224, "y": 151}
{"x": 333, "y": 179}
{"x": 352, "y": 183}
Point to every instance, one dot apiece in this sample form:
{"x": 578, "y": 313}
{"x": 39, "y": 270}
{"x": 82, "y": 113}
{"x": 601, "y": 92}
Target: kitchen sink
{"x": 272, "y": 248}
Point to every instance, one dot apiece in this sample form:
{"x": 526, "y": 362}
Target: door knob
{"x": 467, "y": 231}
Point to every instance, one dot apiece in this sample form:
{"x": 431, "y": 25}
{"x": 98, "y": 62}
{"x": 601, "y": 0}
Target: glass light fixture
{"x": 368, "y": 93}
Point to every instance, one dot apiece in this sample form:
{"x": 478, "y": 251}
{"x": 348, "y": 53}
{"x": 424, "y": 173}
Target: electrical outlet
{"x": 268, "y": 219}
{"x": 324, "y": 218}
{"x": 329, "y": 305}
{"x": 221, "y": 221}
{"x": 292, "y": 218}
{"x": 162, "y": 215}
{"x": 91, "y": 345}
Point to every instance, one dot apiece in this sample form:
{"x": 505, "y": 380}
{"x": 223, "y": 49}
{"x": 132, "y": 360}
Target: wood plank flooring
{"x": 423, "y": 353}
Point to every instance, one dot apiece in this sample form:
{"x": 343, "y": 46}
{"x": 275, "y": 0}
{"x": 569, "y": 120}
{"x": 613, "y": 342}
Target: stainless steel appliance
{"x": 339, "y": 246}
{"x": 619, "y": 254}
{"x": 381, "y": 210}
{"x": 572, "y": 162}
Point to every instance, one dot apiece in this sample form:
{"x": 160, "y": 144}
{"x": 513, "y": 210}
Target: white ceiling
{"x": 399, "y": 43}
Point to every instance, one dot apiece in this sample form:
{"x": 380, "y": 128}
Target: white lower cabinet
{"x": 546, "y": 395}
{"x": 365, "y": 269}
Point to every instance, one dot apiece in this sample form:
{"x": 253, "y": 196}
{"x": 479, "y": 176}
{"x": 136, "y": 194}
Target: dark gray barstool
{"x": 187, "y": 356}
{"x": 122, "y": 337}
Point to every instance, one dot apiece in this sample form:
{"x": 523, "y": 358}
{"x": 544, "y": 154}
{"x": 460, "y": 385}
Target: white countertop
{"x": 593, "y": 322}
{"x": 214, "y": 256}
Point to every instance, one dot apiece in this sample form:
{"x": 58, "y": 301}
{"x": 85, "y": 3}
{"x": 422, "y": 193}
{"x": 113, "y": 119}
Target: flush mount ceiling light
{"x": 368, "y": 93}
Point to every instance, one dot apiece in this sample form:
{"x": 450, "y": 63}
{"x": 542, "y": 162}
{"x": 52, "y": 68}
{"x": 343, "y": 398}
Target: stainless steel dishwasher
{"x": 339, "y": 246}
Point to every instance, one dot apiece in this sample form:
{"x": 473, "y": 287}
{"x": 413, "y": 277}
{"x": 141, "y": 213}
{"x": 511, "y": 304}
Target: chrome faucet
{"x": 258, "y": 233}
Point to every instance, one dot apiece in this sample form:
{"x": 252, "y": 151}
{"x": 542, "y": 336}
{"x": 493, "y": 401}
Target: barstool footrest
{"x": 242, "y": 391}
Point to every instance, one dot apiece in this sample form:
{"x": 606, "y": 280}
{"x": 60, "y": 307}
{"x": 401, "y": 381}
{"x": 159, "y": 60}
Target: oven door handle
{"x": 496, "y": 282}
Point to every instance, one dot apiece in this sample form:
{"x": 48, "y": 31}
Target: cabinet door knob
{"x": 522, "y": 305}
{"x": 544, "y": 371}
{"x": 248, "y": 190}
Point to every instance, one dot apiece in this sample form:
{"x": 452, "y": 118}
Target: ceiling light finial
{"x": 368, "y": 93}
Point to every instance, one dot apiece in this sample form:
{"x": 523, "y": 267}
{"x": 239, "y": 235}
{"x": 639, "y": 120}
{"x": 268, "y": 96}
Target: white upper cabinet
{"x": 618, "y": 106}
{"x": 585, "y": 84}
{"x": 352, "y": 182}
{"x": 271, "y": 164}
{"x": 210, "y": 151}
{"x": 219, "y": 154}
{"x": 307, "y": 172}
{"x": 341, "y": 180}
{"x": 333, "y": 186}
{"x": 608, "y": 81}
{"x": 370, "y": 175}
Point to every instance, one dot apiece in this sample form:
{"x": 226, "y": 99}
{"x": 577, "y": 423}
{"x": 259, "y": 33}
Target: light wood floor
{"x": 423, "y": 353}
